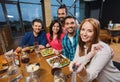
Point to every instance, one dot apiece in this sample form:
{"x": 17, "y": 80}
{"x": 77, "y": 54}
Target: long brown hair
{"x": 96, "y": 28}
{"x": 59, "y": 32}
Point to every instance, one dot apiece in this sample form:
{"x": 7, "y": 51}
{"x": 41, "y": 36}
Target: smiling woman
{"x": 55, "y": 36}
{"x": 88, "y": 53}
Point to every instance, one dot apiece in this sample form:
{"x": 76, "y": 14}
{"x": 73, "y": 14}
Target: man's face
{"x": 37, "y": 26}
{"x": 70, "y": 25}
{"x": 62, "y": 14}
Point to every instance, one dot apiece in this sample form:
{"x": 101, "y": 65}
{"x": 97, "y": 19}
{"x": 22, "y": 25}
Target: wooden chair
{"x": 2, "y": 44}
{"x": 7, "y": 37}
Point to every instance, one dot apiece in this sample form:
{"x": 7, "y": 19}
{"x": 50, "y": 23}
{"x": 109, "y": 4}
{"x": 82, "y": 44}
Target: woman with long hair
{"x": 55, "y": 36}
{"x": 93, "y": 61}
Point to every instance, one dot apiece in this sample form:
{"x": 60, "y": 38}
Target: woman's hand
{"x": 71, "y": 65}
{"x": 47, "y": 45}
{"x": 79, "y": 65}
{"x": 94, "y": 49}
{"x": 56, "y": 51}
{"x": 79, "y": 62}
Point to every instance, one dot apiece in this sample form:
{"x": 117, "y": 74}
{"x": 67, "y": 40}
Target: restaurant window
{"x": 68, "y": 2}
{"x": 30, "y": 12}
{"x": 54, "y": 13}
{"x": 71, "y": 11}
{"x": 13, "y": 0}
{"x": 74, "y": 10}
{"x": 2, "y": 17}
{"x": 30, "y": 1}
{"x": 54, "y": 2}
{"x": 14, "y": 20}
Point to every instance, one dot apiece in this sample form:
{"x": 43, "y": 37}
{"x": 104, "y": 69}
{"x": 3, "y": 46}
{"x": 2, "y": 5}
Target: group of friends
{"x": 79, "y": 43}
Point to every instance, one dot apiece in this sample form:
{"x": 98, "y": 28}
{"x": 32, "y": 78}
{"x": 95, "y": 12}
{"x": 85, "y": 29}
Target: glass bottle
{"x": 57, "y": 73}
{"x": 110, "y": 25}
{"x": 14, "y": 72}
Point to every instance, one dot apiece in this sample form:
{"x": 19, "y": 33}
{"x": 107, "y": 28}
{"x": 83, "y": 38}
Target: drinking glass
{"x": 25, "y": 58}
{"x": 14, "y": 73}
{"x": 32, "y": 78}
{"x": 36, "y": 48}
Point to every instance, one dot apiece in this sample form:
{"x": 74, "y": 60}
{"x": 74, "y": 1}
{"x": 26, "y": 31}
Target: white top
{"x": 101, "y": 66}
{"x": 71, "y": 39}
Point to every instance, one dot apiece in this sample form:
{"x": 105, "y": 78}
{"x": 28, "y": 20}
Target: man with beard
{"x": 70, "y": 40}
{"x": 38, "y": 36}
{"x": 62, "y": 13}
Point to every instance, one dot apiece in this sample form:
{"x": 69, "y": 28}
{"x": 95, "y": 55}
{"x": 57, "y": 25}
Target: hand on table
{"x": 47, "y": 45}
{"x": 18, "y": 50}
{"x": 41, "y": 46}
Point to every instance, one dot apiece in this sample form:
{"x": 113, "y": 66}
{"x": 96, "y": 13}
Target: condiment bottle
{"x": 110, "y": 25}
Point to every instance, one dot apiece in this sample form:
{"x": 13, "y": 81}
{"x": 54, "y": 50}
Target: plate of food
{"x": 3, "y": 64}
{"x": 61, "y": 59}
{"x": 47, "y": 52}
{"x": 33, "y": 68}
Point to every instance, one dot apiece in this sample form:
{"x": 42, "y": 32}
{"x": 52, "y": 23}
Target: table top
{"x": 45, "y": 70}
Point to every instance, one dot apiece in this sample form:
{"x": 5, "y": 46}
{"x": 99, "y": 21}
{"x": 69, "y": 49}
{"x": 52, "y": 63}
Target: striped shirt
{"x": 68, "y": 48}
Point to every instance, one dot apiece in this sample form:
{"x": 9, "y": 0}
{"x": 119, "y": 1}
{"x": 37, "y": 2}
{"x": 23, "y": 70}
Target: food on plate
{"x": 3, "y": 60}
{"x": 33, "y": 67}
{"x": 31, "y": 48}
{"x": 61, "y": 59}
{"x": 47, "y": 51}
{"x": 3, "y": 64}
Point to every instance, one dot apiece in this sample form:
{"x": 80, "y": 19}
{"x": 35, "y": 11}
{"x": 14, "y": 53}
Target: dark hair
{"x": 59, "y": 32}
{"x": 67, "y": 18}
{"x": 37, "y": 20}
{"x": 63, "y": 6}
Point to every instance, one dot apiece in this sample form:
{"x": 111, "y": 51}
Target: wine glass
{"x": 25, "y": 58}
{"x": 36, "y": 48}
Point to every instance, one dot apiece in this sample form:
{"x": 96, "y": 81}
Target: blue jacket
{"x": 29, "y": 39}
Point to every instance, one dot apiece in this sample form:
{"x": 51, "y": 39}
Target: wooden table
{"x": 115, "y": 34}
{"x": 45, "y": 70}
{"x": 114, "y": 31}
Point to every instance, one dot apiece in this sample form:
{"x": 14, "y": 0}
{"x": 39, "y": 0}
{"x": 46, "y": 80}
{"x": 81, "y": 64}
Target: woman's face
{"x": 55, "y": 28}
{"x": 87, "y": 32}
